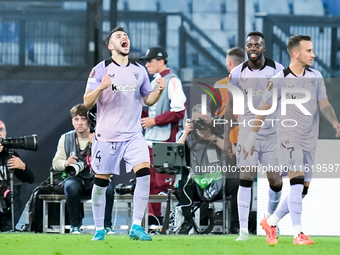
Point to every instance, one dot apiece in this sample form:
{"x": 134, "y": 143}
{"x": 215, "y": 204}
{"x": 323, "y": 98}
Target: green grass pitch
{"x": 56, "y": 244}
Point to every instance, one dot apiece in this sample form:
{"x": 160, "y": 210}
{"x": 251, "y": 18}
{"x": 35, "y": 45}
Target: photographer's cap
{"x": 155, "y": 52}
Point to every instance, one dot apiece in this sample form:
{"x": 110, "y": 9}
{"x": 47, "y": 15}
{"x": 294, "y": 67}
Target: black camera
{"x": 29, "y": 142}
{"x": 123, "y": 189}
{"x": 92, "y": 116}
{"x": 200, "y": 124}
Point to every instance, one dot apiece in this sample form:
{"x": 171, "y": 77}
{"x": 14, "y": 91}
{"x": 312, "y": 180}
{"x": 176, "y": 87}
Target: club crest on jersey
{"x": 93, "y": 72}
{"x": 229, "y": 77}
{"x": 136, "y": 76}
{"x": 270, "y": 85}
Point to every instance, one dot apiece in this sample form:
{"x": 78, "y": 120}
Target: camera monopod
{"x": 11, "y": 181}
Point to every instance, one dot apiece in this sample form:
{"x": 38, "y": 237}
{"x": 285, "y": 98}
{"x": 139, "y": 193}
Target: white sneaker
{"x": 243, "y": 236}
{"x": 74, "y": 230}
{"x": 109, "y": 231}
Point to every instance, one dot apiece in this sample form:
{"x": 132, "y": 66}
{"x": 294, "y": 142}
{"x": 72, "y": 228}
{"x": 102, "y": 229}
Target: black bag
{"x": 35, "y": 211}
{"x": 212, "y": 192}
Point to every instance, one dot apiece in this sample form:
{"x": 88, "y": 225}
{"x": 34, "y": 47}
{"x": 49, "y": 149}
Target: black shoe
{"x": 185, "y": 228}
{"x": 155, "y": 220}
{"x": 234, "y": 230}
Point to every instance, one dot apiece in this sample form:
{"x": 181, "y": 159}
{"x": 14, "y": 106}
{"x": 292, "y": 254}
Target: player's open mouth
{"x": 253, "y": 55}
{"x": 124, "y": 44}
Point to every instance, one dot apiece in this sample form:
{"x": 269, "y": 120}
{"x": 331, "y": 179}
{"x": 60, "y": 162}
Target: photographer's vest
{"x": 160, "y": 133}
{"x": 206, "y": 161}
{"x": 71, "y": 150}
{"x": 70, "y": 143}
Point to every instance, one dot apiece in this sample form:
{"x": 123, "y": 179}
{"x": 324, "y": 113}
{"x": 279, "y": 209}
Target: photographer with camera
{"x": 73, "y": 157}
{"x": 206, "y": 159}
{"x": 10, "y": 160}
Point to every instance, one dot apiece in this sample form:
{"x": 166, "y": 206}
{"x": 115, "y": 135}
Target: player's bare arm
{"x": 328, "y": 112}
{"x": 153, "y": 97}
{"x": 91, "y": 96}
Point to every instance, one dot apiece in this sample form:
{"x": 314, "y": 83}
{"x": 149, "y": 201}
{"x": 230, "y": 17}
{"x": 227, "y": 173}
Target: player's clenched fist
{"x": 161, "y": 83}
{"x": 106, "y": 82}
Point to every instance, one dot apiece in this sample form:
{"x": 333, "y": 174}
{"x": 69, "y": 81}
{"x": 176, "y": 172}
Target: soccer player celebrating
{"x": 118, "y": 86}
{"x": 299, "y": 136}
{"x": 251, "y": 77}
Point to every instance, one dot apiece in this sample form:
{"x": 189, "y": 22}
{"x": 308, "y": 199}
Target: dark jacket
{"x": 23, "y": 175}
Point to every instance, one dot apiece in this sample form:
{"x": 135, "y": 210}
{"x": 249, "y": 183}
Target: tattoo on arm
{"x": 329, "y": 114}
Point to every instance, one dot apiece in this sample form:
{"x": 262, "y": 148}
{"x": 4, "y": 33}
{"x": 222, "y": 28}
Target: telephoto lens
{"x": 75, "y": 169}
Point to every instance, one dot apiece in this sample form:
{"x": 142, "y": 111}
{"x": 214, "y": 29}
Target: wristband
{"x": 250, "y": 141}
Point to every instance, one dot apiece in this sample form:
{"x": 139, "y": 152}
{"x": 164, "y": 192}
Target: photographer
{"x": 206, "y": 146}
{"x": 73, "y": 157}
{"x": 22, "y": 191}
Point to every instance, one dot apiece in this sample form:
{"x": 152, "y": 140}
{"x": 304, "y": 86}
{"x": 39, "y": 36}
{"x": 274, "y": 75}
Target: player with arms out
{"x": 118, "y": 86}
{"x": 251, "y": 77}
{"x": 298, "y": 142}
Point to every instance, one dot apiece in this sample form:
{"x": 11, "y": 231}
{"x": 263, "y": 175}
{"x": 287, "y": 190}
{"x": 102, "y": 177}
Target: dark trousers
{"x": 74, "y": 189}
{"x": 192, "y": 188}
{"x": 22, "y": 193}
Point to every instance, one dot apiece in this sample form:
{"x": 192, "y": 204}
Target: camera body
{"x": 75, "y": 169}
{"x": 200, "y": 124}
{"x": 123, "y": 189}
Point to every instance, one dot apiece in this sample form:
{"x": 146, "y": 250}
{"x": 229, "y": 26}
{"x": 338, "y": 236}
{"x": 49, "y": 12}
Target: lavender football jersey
{"x": 298, "y": 129}
{"x": 119, "y": 106}
{"x": 253, "y": 84}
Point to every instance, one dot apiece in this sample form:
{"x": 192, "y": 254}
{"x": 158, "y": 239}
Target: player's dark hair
{"x": 256, "y": 33}
{"x": 295, "y": 40}
{"x": 237, "y": 54}
{"x": 112, "y": 31}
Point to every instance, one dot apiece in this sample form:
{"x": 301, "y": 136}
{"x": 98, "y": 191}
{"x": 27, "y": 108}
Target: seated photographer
{"x": 22, "y": 192}
{"x": 73, "y": 157}
{"x": 206, "y": 159}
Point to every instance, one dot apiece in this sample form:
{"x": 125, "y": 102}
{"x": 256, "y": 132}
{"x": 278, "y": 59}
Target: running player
{"x": 299, "y": 135}
{"x": 118, "y": 86}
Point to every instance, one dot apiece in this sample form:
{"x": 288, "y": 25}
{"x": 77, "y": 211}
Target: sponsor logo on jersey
{"x": 115, "y": 88}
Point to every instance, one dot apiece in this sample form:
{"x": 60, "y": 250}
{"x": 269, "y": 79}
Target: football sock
{"x": 98, "y": 205}
{"x": 140, "y": 197}
{"x": 295, "y": 203}
{"x": 274, "y": 199}
{"x": 243, "y": 205}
